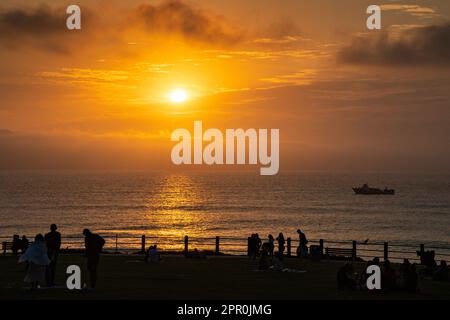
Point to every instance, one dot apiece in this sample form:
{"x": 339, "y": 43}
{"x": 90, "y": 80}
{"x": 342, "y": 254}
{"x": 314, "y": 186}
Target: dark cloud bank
{"x": 179, "y": 18}
{"x": 429, "y": 45}
{"x": 19, "y": 22}
{"x": 44, "y": 27}
{"x": 41, "y": 27}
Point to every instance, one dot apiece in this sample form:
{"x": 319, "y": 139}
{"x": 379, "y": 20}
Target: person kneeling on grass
{"x": 37, "y": 258}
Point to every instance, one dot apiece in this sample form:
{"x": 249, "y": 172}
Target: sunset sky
{"x": 344, "y": 98}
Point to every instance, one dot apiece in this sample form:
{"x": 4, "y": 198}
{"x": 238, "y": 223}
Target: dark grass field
{"x": 128, "y": 277}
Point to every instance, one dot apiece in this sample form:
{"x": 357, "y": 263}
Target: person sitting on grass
{"x": 37, "y": 259}
{"x": 264, "y": 258}
{"x": 442, "y": 272}
{"x": 364, "y": 276}
{"x": 388, "y": 277}
{"x": 152, "y": 254}
{"x": 16, "y": 244}
{"x": 196, "y": 254}
{"x": 412, "y": 279}
{"x": 344, "y": 279}
{"x": 278, "y": 264}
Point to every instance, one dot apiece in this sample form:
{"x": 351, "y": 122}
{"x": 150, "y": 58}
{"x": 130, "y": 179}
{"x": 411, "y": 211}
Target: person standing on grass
{"x": 303, "y": 244}
{"x": 281, "y": 242}
{"x": 37, "y": 258}
{"x": 16, "y": 244}
{"x": 271, "y": 244}
{"x": 302, "y": 238}
{"x": 94, "y": 245}
{"x": 53, "y": 242}
{"x": 25, "y": 244}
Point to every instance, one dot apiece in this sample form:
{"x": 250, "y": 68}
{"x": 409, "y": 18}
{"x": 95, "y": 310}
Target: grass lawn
{"x": 128, "y": 277}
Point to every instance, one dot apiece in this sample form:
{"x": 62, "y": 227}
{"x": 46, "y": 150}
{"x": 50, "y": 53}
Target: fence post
{"x": 288, "y": 251}
{"x": 186, "y": 245}
{"x": 386, "y": 251}
{"x": 217, "y": 245}
{"x": 249, "y": 241}
{"x": 143, "y": 243}
{"x": 422, "y": 249}
{"x": 321, "y": 246}
{"x": 354, "y": 250}
{"x": 116, "y": 242}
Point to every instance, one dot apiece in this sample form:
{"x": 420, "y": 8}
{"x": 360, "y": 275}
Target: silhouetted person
{"x": 442, "y": 272}
{"x": 271, "y": 243}
{"x": 376, "y": 261}
{"x": 364, "y": 276}
{"x": 302, "y": 250}
{"x": 281, "y": 243}
{"x": 403, "y": 272}
{"x": 278, "y": 262}
{"x": 258, "y": 244}
{"x": 152, "y": 254}
{"x": 251, "y": 246}
{"x": 254, "y": 245}
{"x": 53, "y": 242}
{"x": 344, "y": 279}
{"x": 388, "y": 277}
{"x": 302, "y": 239}
{"x": 24, "y": 244}
{"x": 16, "y": 244}
{"x": 412, "y": 279}
{"x": 37, "y": 259}
{"x": 94, "y": 245}
{"x": 427, "y": 259}
{"x": 263, "y": 259}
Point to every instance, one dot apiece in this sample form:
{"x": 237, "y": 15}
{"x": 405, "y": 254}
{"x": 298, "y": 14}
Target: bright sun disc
{"x": 178, "y": 96}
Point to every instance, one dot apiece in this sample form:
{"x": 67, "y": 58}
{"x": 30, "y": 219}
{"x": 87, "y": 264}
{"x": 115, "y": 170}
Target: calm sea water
{"x": 207, "y": 205}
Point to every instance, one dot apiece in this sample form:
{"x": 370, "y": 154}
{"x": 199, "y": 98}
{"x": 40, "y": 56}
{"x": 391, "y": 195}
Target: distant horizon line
{"x": 223, "y": 171}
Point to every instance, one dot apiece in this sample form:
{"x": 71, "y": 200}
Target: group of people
{"x": 404, "y": 279}
{"x": 432, "y": 269}
{"x": 19, "y": 244}
{"x": 41, "y": 257}
{"x": 266, "y": 251}
{"x": 256, "y": 247}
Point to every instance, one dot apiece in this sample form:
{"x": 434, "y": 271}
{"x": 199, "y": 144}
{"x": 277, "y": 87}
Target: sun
{"x": 178, "y": 96}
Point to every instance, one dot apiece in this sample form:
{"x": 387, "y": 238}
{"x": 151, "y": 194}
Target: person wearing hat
{"x": 53, "y": 242}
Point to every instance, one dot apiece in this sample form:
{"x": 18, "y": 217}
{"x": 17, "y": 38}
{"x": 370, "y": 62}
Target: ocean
{"x": 206, "y": 205}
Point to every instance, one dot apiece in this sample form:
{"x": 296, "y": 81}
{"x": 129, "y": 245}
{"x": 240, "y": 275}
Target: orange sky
{"x": 343, "y": 98}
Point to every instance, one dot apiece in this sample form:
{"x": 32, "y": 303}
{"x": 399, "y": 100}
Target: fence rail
{"x": 240, "y": 246}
